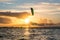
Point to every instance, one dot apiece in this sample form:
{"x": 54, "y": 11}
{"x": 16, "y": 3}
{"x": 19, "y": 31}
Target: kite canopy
{"x": 32, "y": 11}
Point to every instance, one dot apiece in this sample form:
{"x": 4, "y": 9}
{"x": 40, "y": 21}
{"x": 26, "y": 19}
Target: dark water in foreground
{"x": 29, "y": 33}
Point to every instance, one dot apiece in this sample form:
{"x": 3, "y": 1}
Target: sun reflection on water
{"x": 27, "y": 32}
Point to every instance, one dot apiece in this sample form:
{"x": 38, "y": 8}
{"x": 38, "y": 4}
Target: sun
{"x": 27, "y": 21}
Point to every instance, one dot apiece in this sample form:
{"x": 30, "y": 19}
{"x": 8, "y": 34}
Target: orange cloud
{"x": 4, "y": 20}
{"x": 9, "y": 18}
{"x": 18, "y": 15}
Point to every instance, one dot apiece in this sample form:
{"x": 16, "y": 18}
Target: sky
{"x": 49, "y": 9}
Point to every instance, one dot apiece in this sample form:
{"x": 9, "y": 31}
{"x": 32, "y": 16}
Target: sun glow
{"x": 27, "y": 21}
{"x": 20, "y": 21}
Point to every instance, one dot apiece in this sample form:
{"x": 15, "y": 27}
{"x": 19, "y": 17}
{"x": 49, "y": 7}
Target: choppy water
{"x": 29, "y": 33}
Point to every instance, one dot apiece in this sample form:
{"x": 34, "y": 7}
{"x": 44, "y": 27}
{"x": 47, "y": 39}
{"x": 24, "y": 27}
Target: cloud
{"x": 18, "y": 15}
{"x": 43, "y": 10}
{"x": 12, "y": 10}
{"x": 4, "y": 20}
{"x": 37, "y": 5}
{"x": 41, "y": 7}
{"x": 12, "y": 17}
{"x": 5, "y": 0}
{"x": 8, "y": 3}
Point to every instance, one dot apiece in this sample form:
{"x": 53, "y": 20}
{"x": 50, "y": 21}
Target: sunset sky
{"x": 49, "y": 9}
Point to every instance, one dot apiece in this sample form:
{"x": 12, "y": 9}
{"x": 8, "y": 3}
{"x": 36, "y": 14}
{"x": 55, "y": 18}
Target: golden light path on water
{"x": 27, "y": 22}
{"x": 27, "y": 33}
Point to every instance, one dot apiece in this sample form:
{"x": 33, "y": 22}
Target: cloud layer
{"x": 8, "y": 17}
{"x": 3, "y": 1}
{"x": 5, "y": 20}
{"x": 41, "y": 9}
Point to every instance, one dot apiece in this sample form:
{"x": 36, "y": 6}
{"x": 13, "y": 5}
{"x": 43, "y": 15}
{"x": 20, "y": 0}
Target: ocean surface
{"x": 21, "y": 33}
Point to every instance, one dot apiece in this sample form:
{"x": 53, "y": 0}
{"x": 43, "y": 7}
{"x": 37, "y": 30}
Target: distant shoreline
{"x": 34, "y": 27}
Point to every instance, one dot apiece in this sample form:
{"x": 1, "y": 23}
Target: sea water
{"x": 19, "y": 33}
